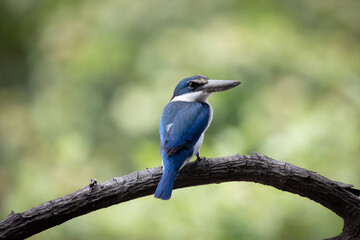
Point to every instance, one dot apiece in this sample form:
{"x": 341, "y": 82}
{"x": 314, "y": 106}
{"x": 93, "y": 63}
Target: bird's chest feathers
{"x": 210, "y": 116}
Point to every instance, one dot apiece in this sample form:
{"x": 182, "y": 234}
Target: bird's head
{"x": 199, "y": 88}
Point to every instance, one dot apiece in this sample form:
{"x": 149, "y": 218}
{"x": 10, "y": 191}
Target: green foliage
{"x": 83, "y": 85}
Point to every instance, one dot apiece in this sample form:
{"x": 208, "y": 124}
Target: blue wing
{"x": 182, "y": 124}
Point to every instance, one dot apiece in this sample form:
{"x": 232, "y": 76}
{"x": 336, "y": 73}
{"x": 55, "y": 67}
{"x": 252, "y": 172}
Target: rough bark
{"x": 339, "y": 197}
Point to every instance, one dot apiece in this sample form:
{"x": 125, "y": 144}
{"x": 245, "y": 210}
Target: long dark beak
{"x": 219, "y": 85}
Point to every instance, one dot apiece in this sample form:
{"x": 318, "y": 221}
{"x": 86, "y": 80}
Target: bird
{"x": 183, "y": 124}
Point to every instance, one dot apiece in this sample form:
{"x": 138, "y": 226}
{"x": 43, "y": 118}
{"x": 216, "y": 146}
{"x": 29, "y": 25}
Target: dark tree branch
{"x": 336, "y": 196}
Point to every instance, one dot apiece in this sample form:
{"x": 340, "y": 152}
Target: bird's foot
{"x": 93, "y": 183}
{"x": 198, "y": 158}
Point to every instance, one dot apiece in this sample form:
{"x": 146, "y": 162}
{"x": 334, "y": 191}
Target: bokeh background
{"x": 83, "y": 85}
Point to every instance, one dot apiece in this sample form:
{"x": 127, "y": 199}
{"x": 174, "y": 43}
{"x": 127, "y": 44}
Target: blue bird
{"x": 183, "y": 124}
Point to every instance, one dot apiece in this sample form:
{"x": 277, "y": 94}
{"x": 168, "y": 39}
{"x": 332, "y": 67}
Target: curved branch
{"x": 336, "y": 196}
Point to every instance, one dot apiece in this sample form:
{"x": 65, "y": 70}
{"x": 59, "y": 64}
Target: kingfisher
{"x": 183, "y": 124}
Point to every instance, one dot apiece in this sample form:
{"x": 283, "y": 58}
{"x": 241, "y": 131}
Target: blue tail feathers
{"x": 166, "y": 184}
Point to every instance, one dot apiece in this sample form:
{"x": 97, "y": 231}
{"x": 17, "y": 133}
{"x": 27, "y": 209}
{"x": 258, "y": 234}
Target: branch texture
{"x": 339, "y": 197}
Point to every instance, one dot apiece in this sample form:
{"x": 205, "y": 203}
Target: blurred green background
{"x": 83, "y": 85}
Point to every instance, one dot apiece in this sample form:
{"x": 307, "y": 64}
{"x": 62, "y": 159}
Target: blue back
{"x": 189, "y": 120}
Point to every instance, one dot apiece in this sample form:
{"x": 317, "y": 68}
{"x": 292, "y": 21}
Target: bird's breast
{"x": 210, "y": 116}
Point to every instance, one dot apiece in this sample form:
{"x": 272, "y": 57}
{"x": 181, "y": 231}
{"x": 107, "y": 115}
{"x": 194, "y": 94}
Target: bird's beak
{"x": 219, "y": 85}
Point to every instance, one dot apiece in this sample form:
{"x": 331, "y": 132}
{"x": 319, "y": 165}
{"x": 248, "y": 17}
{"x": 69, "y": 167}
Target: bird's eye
{"x": 192, "y": 84}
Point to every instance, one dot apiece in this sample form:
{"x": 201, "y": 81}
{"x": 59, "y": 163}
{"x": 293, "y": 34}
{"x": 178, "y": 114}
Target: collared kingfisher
{"x": 183, "y": 124}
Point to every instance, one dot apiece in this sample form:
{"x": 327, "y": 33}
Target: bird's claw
{"x": 198, "y": 158}
{"x": 93, "y": 183}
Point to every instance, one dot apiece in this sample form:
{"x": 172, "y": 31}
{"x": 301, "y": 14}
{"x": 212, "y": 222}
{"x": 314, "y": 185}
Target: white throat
{"x": 199, "y": 96}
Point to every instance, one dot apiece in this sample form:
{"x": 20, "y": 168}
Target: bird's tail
{"x": 164, "y": 189}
